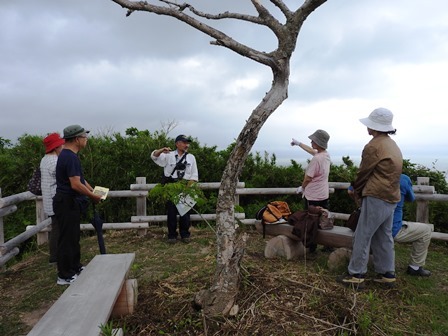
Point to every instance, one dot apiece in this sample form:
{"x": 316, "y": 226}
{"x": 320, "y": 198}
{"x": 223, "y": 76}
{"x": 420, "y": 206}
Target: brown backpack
{"x": 273, "y": 213}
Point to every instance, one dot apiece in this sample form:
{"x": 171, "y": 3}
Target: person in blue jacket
{"x": 418, "y": 234}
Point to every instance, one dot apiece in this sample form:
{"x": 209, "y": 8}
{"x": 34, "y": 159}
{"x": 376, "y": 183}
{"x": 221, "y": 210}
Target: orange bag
{"x": 273, "y": 213}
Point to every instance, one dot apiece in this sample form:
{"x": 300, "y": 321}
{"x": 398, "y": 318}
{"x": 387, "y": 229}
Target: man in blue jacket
{"x": 418, "y": 234}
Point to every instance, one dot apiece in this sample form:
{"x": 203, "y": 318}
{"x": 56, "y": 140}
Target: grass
{"x": 277, "y": 297}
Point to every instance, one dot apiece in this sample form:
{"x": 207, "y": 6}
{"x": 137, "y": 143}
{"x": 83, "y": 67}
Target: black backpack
{"x": 34, "y": 183}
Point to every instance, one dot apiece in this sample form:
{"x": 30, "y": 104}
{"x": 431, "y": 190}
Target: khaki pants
{"x": 419, "y": 235}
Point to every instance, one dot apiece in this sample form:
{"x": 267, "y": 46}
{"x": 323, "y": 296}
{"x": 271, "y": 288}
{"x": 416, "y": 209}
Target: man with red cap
{"x": 53, "y": 146}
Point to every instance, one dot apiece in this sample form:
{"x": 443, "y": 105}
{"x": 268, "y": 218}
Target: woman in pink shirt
{"x": 315, "y": 188}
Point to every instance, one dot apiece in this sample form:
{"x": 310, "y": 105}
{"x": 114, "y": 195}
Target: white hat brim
{"x": 377, "y": 126}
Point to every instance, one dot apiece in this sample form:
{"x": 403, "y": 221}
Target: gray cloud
{"x": 86, "y": 62}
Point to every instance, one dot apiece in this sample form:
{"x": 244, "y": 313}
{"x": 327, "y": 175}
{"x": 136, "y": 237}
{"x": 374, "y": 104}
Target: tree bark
{"x": 220, "y": 297}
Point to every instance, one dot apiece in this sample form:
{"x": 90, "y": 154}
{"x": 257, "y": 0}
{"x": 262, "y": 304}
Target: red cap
{"x": 53, "y": 141}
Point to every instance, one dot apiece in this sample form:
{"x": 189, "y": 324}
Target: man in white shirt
{"x": 177, "y": 165}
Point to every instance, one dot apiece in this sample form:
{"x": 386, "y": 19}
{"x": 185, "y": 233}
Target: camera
{"x": 181, "y": 166}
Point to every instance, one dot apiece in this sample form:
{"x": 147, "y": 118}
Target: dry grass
{"x": 277, "y": 297}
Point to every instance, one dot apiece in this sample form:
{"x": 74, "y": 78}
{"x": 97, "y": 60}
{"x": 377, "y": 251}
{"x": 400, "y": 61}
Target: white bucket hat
{"x": 379, "y": 120}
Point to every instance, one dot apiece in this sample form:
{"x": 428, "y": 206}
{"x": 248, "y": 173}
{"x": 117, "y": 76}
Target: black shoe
{"x": 420, "y": 272}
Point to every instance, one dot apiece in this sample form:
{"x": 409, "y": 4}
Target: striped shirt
{"x": 48, "y": 181}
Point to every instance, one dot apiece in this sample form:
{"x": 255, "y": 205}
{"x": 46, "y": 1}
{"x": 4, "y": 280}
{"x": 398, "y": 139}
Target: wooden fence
{"x": 423, "y": 193}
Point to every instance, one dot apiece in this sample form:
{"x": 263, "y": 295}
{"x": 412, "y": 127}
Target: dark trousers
{"x": 68, "y": 215}
{"x": 184, "y": 222}
{"x": 324, "y": 203}
{"x": 54, "y": 237}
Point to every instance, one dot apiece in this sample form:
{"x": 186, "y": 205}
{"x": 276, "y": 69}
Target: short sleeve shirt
{"x": 318, "y": 169}
{"x": 68, "y": 166}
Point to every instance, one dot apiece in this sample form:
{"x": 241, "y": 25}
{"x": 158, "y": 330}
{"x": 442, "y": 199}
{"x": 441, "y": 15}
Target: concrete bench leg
{"x": 284, "y": 246}
{"x": 127, "y": 299}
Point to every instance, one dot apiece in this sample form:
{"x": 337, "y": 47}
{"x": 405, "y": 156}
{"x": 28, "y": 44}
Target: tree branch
{"x": 267, "y": 17}
{"x": 177, "y": 11}
{"x": 307, "y": 8}
{"x": 225, "y": 15}
{"x": 281, "y": 5}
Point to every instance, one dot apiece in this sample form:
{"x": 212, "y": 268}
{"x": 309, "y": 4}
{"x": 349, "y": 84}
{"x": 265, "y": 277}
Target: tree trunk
{"x": 220, "y": 297}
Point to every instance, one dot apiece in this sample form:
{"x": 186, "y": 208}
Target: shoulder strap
{"x": 183, "y": 158}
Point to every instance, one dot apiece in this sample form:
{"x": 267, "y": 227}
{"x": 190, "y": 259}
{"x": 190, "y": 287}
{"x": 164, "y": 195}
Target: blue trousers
{"x": 374, "y": 232}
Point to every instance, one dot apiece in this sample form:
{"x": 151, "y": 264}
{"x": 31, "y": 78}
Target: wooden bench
{"x": 339, "y": 236}
{"x": 89, "y": 302}
{"x": 286, "y": 244}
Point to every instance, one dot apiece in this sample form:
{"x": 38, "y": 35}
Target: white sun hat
{"x": 379, "y": 120}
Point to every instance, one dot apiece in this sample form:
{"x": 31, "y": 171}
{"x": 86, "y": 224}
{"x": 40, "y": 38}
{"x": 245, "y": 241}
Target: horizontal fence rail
{"x": 140, "y": 222}
{"x": 162, "y": 218}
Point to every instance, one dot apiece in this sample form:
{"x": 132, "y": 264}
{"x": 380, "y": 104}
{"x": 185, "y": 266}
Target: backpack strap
{"x": 263, "y": 223}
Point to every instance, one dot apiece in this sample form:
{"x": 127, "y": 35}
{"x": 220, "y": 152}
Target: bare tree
{"x": 220, "y": 297}
{"x": 168, "y": 126}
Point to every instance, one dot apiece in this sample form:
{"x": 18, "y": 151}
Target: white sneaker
{"x": 68, "y": 281}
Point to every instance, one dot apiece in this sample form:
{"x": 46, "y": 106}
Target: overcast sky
{"x": 84, "y": 62}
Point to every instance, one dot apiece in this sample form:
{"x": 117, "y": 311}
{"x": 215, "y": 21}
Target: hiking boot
{"x": 357, "y": 281}
{"x": 172, "y": 240}
{"x": 186, "y": 240}
{"x": 66, "y": 281}
{"x": 387, "y": 279}
{"x": 420, "y": 272}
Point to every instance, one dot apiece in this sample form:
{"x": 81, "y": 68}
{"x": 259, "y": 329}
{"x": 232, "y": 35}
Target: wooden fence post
{"x": 141, "y": 205}
{"x": 422, "y": 215}
{"x": 237, "y": 197}
{"x": 41, "y": 237}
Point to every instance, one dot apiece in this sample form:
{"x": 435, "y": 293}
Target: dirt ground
{"x": 276, "y": 296}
